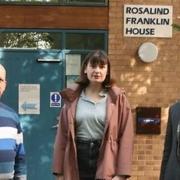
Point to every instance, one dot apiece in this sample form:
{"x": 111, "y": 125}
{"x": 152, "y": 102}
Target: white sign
{"x": 71, "y": 80}
{"x": 147, "y": 21}
{"x": 73, "y": 64}
{"x": 29, "y": 99}
{"x": 55, "y": 99}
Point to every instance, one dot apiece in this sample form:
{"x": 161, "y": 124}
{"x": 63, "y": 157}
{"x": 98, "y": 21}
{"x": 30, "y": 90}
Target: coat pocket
{"x": 108, "y": 160}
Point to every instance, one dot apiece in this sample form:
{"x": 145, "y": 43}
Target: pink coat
{"x": 117, "y": 145}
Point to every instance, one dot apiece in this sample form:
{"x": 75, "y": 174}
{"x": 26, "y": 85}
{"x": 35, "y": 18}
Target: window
{"x": 61, "y": 2}
{"x": 94, "y": 2}
{"x": 31, "y": 40}
{"x": 33, "y": 1}
{"x": 52, "y": 39}
{"x": 86, "y": 41}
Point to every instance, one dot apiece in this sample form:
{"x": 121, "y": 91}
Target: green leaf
{"x": 176, "y": 27}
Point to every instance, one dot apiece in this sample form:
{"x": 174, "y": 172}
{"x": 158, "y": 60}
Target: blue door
{"x": 45, "y": 69}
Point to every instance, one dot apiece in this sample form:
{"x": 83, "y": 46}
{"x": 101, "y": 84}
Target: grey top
{"x": 90, "y": 117}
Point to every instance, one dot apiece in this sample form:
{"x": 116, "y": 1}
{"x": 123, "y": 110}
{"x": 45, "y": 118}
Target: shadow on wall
{"x": 149, "y": 83}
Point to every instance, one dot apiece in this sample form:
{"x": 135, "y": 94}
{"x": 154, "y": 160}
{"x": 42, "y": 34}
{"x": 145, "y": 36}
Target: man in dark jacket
{"x": 170, "y": 167}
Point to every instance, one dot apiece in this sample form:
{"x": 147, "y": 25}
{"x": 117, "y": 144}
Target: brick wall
{"x": 154, "y": 84}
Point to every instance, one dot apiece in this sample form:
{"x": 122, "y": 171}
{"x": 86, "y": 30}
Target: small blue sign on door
{"x": 55, "y": 99}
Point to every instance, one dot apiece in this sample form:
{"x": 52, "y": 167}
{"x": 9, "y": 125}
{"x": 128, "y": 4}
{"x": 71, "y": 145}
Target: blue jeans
{"x": 87, "y": 153}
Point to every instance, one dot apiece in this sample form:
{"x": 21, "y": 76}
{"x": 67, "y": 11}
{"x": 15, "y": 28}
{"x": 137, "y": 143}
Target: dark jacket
{"x": 117, "y": 144}
{"x": 170, "y": 167}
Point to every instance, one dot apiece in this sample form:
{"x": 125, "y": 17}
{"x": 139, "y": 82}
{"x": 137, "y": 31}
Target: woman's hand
{"x": 119, "y": 178}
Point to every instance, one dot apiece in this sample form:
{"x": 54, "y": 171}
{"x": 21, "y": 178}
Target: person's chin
{"x": 97, "y": 81}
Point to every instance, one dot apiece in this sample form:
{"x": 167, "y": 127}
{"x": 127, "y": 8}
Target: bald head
{"x": 2, "y": 72}
{"x": 2, "y": 79}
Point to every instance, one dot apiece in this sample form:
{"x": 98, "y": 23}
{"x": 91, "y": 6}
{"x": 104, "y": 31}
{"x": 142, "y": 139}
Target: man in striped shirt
{"x": 12, "y": 154}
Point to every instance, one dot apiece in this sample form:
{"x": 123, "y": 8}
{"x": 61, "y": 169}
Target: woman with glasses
{"x": 95, "y": 135}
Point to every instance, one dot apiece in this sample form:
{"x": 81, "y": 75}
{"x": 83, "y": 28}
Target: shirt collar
{"x": 103, "y": 93}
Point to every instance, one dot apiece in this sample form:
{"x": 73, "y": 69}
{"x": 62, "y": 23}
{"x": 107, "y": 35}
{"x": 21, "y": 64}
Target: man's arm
{"x": 20, "y": 164}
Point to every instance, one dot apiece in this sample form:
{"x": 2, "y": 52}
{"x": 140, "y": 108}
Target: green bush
{"x": 176, "y": 27}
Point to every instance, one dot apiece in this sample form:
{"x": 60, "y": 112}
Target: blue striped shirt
{"x": 12, "y": 153}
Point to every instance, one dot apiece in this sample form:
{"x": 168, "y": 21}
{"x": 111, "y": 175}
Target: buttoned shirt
{"x": 91, "y": 117}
